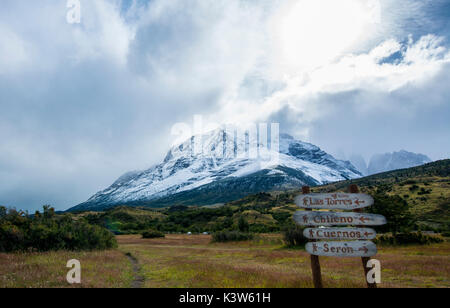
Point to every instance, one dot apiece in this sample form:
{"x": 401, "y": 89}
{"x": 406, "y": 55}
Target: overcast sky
{"x": 83, "y": 103}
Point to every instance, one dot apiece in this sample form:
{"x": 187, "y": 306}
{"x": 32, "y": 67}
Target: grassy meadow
{"x": 99, "y": 269}
{"x": 194, "y": 262}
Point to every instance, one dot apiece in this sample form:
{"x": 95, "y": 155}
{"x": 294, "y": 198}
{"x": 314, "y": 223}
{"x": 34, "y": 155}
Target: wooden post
{"x": 353, "y": 189}
{"x": 315, "y": 263}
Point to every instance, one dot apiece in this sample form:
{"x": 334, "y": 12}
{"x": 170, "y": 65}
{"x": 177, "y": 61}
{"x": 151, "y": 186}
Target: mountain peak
{"x": 220, "y": 166}
{"x": 396, "y": 160}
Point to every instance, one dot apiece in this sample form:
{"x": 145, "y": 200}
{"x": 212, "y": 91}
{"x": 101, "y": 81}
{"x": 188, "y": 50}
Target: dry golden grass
{"x": 191, "y": 261}
{"x": 99, "y": 269}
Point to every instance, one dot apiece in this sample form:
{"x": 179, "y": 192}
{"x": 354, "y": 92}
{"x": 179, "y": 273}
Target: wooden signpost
{"x": 350, "y": 242}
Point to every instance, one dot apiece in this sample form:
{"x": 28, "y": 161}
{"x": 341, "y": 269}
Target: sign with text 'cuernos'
{"x": 340, "y": 234}
{"x": 304, "y": 218}
{"x": 337, "y": 201}
{"x": 342, "y": 249}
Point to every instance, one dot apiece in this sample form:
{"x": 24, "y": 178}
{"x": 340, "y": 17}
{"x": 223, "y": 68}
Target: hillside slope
{"x": 426, "y": 190}
{"x": 438, "y": 169}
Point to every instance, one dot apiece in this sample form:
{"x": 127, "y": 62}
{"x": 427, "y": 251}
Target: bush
{"x": 243, "y": 225}
{"x": 424, "y": 191}
{"x": 153, "y": 234}
{"x": 414, "y": 187}
{"x": 409, "y": 182}
{"x": 293, "y": 236}
{"x": 21, "y": 232}
{"x": 11, "y": 238}
{"x": 397, "y": 213}
{"x": 231, "y": 236}
{"x": 262, "y": 228}
{"x": 411, "y": 238}
{"x": 446, "y": 233}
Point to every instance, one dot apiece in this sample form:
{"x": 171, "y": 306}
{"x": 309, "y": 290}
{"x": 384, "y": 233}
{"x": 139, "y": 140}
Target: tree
{"x": 49, "y": 212}
{"x": 243, "y": 225}
{"x": 293, "y": 236}
{"x": 227, "y": 223}
{"x": 2, "y": 212}
{"x": 396, "y": 210}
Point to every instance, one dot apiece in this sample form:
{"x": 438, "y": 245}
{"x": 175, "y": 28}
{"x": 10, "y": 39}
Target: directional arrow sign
{"x": 342, "y": 249}
{"x": 340, "y": 234}
{"x": 305, "y": 218}
{"x": 338, "y": 201}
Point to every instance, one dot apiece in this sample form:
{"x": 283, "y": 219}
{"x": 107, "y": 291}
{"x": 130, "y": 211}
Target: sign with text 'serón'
{"x": 340, "y": 234}
{"x": 342, "y": 249}
{"x": 305, "y": 218}
{"x": 337, "y": 201}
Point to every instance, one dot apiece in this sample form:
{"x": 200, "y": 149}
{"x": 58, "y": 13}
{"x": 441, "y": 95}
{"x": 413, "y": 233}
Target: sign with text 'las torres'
{"x": 348, "y": 241}
{"x": 336, "y": 201}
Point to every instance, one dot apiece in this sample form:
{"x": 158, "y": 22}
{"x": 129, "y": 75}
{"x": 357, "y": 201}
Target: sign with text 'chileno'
{"x": 305, "y": 218}
{"x": 340, "y": 234}
{"x": 338, "y": 201}
{"x": 342, "y": 249}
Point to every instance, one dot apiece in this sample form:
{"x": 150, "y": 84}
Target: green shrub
{"x": 411, "y": 238}
{"x": 424, "y": 191}
{"x": 282, "y": 217}
{"x": 231, "y": 236}
{"x": 48, "y": 231}
{"x": 397, "y": 213}
{"x": 414, "y": 188}
{"x": 243, "y": 225}
{"x": 293, "y": 236}
{"x": 11, "y": 238}
{"x": 153, "y": 234}
{"x": 409, "y": 182}
{"x": 446, "y": 233}
{"x": 262, "y": 228}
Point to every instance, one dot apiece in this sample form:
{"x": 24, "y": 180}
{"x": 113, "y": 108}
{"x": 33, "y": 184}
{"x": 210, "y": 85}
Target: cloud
{"x": 352, "y": 106}
{"x": 412, "y": 117}
{"x": 418, "y": 62}
{"x": 103, "y": 33}
{"x": 82, "y": 104}
{"x": 92, "y": 101}
{"x": 13, "y": 52}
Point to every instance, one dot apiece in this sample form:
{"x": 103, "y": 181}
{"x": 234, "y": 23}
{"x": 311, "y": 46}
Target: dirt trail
{"x": 138, "y": 281}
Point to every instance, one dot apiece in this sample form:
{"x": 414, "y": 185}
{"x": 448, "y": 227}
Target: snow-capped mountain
{"x": 397, "y": 160}
{"x": 218, "y": 167}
